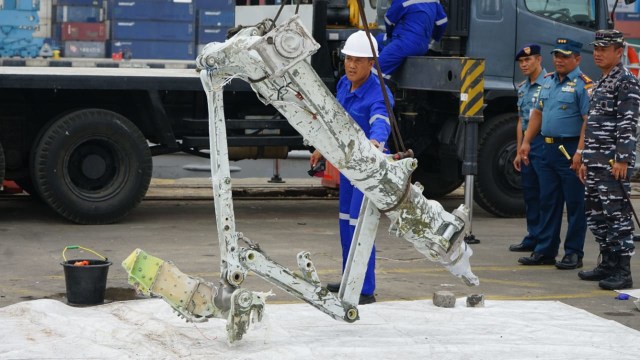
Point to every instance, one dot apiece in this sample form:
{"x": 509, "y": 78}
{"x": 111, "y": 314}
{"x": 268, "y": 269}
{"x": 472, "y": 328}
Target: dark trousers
{"x": 559, "y": 184}
{"x": 531, "y": 191}
{"x": 608, "y": 212}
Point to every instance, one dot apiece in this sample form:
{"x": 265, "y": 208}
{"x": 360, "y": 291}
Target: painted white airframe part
{"x": 356, "y": 266}
{"x": 274, "y": 66}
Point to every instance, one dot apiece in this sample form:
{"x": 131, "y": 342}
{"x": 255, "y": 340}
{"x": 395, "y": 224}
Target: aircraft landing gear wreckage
{"x": 273, "y": 62}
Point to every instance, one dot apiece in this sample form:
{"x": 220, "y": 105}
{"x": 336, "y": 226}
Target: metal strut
{"x": 273, "y": 63}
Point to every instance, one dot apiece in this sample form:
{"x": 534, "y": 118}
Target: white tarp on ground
{"x": 144, "y": 329}
{"x": 631, "y": 292}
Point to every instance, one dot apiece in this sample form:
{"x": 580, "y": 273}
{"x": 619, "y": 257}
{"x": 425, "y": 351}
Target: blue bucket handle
{"x": 75, "y": 247}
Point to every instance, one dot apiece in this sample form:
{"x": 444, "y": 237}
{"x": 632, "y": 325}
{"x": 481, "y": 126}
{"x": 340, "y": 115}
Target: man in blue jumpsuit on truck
{"x": 410, "y": 26}
{"x": 359, "y": 92}
{"x": 560, "y": 116}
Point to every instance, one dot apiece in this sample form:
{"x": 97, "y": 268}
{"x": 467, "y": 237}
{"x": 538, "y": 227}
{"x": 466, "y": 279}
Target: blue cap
{"x": 528, "y": 50}
{"x": 567, "y": 46}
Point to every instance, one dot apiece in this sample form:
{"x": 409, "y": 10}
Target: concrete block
{"x": 445, "y": 299}
{"x": 475, "y": 300}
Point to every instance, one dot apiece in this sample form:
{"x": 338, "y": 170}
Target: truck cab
{"x": 492, "y": 30}
{"x": 81, "y": 137}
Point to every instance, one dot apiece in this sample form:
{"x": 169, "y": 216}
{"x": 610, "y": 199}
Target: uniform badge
{"x": 586, "y": 79}
{"x": 527, "y": 50}
{"x": 589, "y": 88}
{"x": 568, "y": 89}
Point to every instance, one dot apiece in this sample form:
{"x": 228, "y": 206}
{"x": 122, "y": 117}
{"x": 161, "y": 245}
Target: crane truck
{"x": 80, "y": 134}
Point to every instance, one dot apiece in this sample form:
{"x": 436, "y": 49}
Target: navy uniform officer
{"x": 610, "y": 135}
{"x": 560, "y": 116}
{"x": 530, "y": 63}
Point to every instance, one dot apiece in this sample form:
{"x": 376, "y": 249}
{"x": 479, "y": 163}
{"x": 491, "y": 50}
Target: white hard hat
{"x": 358, "y": 45}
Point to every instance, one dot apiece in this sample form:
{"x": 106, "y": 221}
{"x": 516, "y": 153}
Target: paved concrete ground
{"x": 183, "y": 230}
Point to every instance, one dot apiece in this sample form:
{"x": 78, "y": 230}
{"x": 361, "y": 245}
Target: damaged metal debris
{"x": 273, "y": 63}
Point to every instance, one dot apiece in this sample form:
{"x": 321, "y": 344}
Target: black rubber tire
{"x": 1, "y": 165}
{"x": 92, "y": 166}
{"x": 498, "y": 188}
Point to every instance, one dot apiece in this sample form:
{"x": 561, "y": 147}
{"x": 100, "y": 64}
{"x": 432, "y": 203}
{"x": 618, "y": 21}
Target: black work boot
{"x": 621, "y": 277}
{"x": 603, "y": 270}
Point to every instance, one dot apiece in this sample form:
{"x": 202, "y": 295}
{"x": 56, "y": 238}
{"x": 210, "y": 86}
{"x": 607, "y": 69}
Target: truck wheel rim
{"x": 95, "y": 169}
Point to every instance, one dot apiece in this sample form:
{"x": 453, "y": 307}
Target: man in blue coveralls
{"x": 530, "y": 63}
{"x": 359, "y": 92}
{"x": 410, "y": 26}
{"x": 560, "y": 116}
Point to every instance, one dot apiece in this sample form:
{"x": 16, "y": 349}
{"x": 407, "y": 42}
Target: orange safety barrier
{"x": 331, "y": 178}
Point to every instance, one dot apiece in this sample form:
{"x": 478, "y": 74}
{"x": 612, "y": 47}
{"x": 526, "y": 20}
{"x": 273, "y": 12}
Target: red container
{"x": 84, "y": 31}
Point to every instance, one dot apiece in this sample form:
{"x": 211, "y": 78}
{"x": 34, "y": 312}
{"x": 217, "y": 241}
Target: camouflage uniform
{"x": 611, "y": 135}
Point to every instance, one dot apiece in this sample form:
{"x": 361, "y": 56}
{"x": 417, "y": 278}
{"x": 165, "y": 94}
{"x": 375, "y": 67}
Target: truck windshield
{"x": 573, "y": 12}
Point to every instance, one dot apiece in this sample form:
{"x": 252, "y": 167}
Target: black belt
{"x": 552, "y": 140}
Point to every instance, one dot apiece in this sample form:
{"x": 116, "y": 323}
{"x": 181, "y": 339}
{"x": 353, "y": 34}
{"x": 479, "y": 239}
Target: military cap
{"x": 608, "y": 37}
{"x": 567, "y": 46}
{"x": 528, "y": 50}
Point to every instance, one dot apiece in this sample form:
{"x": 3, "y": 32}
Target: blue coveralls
{"x": 563, "y": 105}
{"x": 527, "y": 99}
{"x": 410, "y": 26}
{"x": 366, "y": 106}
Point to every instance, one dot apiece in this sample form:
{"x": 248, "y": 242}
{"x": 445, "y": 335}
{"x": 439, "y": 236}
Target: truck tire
{"x": 92, "y": 166}
{"x": 498, "y": 189}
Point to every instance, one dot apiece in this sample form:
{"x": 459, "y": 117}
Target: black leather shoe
{"x": 521, "y": 248}
{"x": 366, "y": 299}
{"x": 333, "y": 287}
{"x": 569, "y": 261}
{"x": 537, "y": 259}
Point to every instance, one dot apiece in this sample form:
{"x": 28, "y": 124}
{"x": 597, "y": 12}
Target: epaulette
{"x": 548, "y": 74}
{"x": 521, "y": 83}
{"x": 585, "y": 78}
